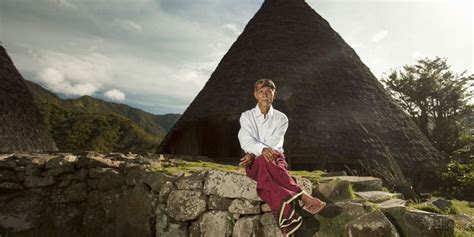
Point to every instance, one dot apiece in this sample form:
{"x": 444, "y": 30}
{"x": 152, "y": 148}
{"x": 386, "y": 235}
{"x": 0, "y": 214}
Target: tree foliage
{"x": 436, "y": 98}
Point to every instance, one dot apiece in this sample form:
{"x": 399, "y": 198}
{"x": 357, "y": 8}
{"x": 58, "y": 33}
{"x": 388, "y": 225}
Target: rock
{"x": 334, "y": 190}
{"x": 334, "y": 217}
{"x": 80, "y": 175}
{"x": 21, "y": 213}
{"x": 211, "y": 224}
{"x": 372, "y": 224}
{"x": 185, "y": 205}
{"x": 59, "y": 165}
{"x": 35, "y": 181}
{"x": 471, "y": 204}
{"x": 377, "y": 196}
{"x": 60, "y": 161}
{"x": 140, "y": 206}
{"x": 67, "y": 168}
{"x": 393, "y": 206}
{"x": 7, "y": 162}
{"x": 269, "y": 226}
{"x": 95, "y": 224}
{"x": 333, "y": 174}
{"x": 10, "y": 185}
{"x": 98, "y": 172}
{"x": 360, "y": 183}
{"x": 247, "y": 227}
{"x": 441, "y": 203}
{"x": 111, "y": 180}
{"x": 424, "y": 224}
{"x": 66, "y": 220}
{"x": 7, "y": 175}
{"x": 74, "y": 193}
{"x": 110, "y": 203}
{"x": 166, "y": 227}
{"x": 155, "y": 180}
{"x": 218, "y": 203}
{"x": 165, "y": 191}
{"x": 93, "y": 199}
{"x": 244, "y": 207}
{"x": 194, "y": 181}
{"x": 265, "y": 207}
{"x": 134, "y": 175}
{"x": 96, "y": 161}
{"x": 230, "y": 185}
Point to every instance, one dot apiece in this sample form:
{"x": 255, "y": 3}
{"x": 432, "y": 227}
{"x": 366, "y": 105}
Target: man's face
{"x": 265, "y": 96}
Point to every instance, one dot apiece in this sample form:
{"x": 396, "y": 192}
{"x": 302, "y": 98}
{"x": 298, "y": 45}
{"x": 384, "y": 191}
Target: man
{"x": 261, "y": 136}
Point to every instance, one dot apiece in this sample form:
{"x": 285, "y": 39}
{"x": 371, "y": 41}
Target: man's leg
{"x": 277, "y": 188}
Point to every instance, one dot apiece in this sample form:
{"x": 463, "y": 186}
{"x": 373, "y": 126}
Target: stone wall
{"x": 92, "y": 194}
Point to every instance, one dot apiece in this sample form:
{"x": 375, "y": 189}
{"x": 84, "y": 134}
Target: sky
{"x": 157, "y": 55}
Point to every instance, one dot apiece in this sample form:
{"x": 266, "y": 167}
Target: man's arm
{"x": 248, "y": 142}
{"x": 277, "y": 138}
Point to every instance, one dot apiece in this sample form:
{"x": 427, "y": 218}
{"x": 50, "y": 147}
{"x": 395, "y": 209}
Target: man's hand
{"x": 247, "y": 160}
{"x": 270, "y": 154}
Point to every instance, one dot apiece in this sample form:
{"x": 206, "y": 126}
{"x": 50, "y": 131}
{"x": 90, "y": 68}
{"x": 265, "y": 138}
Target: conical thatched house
{"x": 338, "y": 111}
{"x": 21, "y": 125}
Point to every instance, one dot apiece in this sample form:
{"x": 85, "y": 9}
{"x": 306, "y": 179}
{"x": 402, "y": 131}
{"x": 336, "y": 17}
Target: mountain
{"x": 87, "y": 123}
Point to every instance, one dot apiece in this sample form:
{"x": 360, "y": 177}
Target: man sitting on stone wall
{"x": 261, "y": 135}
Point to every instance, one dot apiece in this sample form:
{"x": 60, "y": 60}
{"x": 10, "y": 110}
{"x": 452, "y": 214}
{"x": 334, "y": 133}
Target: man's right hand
{"x": 247, "y": 159}
{"x": 270, "y": 154}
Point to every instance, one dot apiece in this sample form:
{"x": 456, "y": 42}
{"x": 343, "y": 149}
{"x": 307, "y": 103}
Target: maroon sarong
{"x": 276, "y": 187}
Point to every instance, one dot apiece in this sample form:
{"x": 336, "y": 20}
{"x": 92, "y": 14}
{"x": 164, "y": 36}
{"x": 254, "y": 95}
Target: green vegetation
{"x": 463, "y": 230}
{"x": 463, "y": 207}
{"x": 438, "y": 101}
{"x": 187, "y": 167}
{"x": 78, "y": 131}
{"x": 314, "y": 176}
{"x": 432, "y": 208}
{"x": 87, "y": 123}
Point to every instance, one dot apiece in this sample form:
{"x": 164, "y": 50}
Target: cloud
{"x": 129, "y": 26}
{"x": 232, "y": 28}
{"x": 115, "y": 94}
{"x": 54, "y": 80}
{"x": 73, "y": 75}
{"x": 379, "y": 36}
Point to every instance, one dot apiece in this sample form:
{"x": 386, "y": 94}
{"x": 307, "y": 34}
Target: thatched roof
{"x": 336, "y": 107}
{"x": 21, "y": 125}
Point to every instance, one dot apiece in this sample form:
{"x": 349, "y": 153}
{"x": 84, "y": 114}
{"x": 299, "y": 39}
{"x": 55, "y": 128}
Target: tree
{"x": 435, "y": 98}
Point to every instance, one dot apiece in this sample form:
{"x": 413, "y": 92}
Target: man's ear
{"x": 274, "y": 95}
{"x": 255, "y": 94}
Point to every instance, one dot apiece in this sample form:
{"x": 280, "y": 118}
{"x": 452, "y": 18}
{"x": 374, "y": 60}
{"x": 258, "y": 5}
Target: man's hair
{"x": 264, "y": 83}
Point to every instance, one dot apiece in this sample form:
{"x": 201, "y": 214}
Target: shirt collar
{"x": 259, "y": 113}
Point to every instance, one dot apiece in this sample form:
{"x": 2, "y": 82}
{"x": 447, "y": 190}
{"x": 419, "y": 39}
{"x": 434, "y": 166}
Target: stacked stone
{"x": 92, "y": 194}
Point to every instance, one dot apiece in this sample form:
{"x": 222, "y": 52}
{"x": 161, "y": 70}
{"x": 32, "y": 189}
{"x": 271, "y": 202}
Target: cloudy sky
{"x": 157, "y": 54}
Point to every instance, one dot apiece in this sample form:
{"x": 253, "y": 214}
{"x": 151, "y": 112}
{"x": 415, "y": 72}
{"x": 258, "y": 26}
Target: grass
{"x": 187, "y": 167}
{"x": 313, "y": 176}
{"x": 460, "y": 230}
{"x": 463, "y": 207}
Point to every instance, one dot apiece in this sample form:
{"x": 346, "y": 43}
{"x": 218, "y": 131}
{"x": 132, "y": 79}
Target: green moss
{"x": 313, "y": 176}
{"x": 463, "y": 207}
{"x": 181, "y": 166}
{"x": 427, "y": 207}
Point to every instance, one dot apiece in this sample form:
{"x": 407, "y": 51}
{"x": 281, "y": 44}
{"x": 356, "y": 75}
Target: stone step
{"x": 377, "y": 196}
{"x": 392, "y": 204}
{"x": 359, "y": 183}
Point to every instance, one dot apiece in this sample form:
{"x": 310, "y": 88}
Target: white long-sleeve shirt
{"x": 257, "y": 132}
